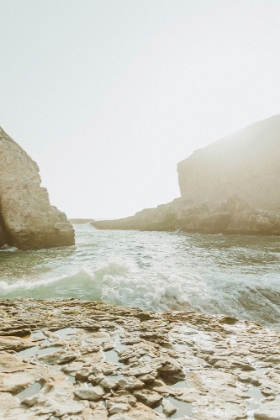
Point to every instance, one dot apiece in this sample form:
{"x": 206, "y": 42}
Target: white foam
{"x": 154, "y": 270}
{"x": 7, "y": 248}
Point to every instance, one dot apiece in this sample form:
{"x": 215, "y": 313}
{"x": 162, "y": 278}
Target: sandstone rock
{"x": 245, "y": 163}
{"x": 138, "y": 371}
{"x": 130, "y": 383}
{"x": 10, "y": 363}
{"x": 207, "y": 391}
{"x": 58, "y": 400}
{"x": 123, "y": 397}
{"x": 116, "y": 408}
{"x": 140, "y": 411}
{"x": 15, "y": 382}
{"x": 107, "y": 383}
{"x": 148, "y": 378}
{"x": 7, "y": 402}
{"x": 30, "y": 401}
{"x": 14, "y": 343}
{"x": 27, "y": 220}
{"x": 94, "y": 412}
{"x": 83, "y": 374}
{"x": 96, "y": 379}
{"x": 108, "y": 345}
{"x": 168, "y": 408}
{"x": 268, "y": 411}
{"x": 147, "y": 397}
{"x": 247, "y": 378}
{"x": 73, "y": 369}
{"x": 94, "y": 393}
{"x": 60, "y": 357}
{"x": 170, "y": 368}
{"x": 230, "y": 186}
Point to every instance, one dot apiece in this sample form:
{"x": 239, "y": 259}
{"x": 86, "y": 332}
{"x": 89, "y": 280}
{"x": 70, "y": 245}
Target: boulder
{"x": 27, "y": 220}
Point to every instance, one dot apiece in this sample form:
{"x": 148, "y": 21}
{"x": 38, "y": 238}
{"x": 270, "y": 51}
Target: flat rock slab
{"x": 93, "y": 361}
{"x": 269, "y": 411}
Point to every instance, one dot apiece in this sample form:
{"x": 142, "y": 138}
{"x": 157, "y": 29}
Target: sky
{"x": 107, "y": 96}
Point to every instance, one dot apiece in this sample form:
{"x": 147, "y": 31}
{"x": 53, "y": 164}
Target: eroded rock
{"x": 94, "y": 393}
{"x": 226, "y": 187}
{"x": 155, "y": 381}
{"x": 27, "y": 220}
{"x": 269, "y": 411}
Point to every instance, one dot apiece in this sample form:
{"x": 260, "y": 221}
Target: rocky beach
{"x": 78, "y": 359}
{"x": 81, "y": 360}
{"x": 140, "y": 210}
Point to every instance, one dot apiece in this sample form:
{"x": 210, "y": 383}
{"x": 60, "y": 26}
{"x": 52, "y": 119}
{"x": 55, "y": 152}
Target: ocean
{"x": 215, "y": 274}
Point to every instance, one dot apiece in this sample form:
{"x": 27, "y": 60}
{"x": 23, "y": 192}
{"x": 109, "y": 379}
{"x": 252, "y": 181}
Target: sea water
{"x": 215, "y": 274}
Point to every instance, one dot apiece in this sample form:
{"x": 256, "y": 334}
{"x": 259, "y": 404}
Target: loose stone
{"x": 91, "y": 394}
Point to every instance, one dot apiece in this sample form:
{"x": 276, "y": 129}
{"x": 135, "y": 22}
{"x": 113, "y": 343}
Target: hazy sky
{"x": 108, "y": 95}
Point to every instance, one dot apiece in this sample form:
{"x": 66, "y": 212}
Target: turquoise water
{"x": 233, "y": 275}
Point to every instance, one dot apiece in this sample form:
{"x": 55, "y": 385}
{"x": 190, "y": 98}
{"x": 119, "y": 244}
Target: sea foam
{"x": 159, "y": 271}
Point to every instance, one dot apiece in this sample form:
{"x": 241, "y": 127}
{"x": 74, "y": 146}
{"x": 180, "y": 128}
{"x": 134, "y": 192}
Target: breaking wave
{"x": 237, "y": 276}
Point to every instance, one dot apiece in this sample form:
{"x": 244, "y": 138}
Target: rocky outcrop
{"x": 245, "y": 164}
{"x": 230, "y": 217}
{"x": 27, "y": 220}
{"x": 80, "y": 221}
{"x": 74, "y": 359}
{"x": 231, "y": 186}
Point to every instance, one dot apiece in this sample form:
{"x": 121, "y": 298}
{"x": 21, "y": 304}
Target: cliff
{"x": 245, "y": 164}
{"x": 230, "y": 186}
{"x": 27, "y": 220}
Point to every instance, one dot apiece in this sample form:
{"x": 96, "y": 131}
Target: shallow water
{"x": 233, "y": 275}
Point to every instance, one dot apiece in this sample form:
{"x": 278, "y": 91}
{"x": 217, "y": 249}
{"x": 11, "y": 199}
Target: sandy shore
{"x": 72, "y": 359}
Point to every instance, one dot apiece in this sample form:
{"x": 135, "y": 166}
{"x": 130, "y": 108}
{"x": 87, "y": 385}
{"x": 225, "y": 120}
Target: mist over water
{"x": 233, "y": 275}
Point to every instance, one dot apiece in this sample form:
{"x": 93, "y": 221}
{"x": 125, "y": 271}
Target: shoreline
{"x": 75, "y": 359}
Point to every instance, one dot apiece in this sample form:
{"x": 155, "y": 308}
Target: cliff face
{"x": 245, "y": 164}
{"x": 230, "y": 186}
{"x": 27, "y": 220}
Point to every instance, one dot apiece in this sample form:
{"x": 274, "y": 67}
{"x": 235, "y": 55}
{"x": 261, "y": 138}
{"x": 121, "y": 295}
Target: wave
{"x": 121, "y": 282}
{"x": 155, "y": 271}
{"x": 50, "y": 287}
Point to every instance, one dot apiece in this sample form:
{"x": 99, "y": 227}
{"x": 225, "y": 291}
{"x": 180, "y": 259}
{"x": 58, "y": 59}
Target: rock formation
{"x": 245, "y": 164}
{"x": 75, "y": 359}
{"x": 230, "y": 186}
{"x": 27, "y": 220}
